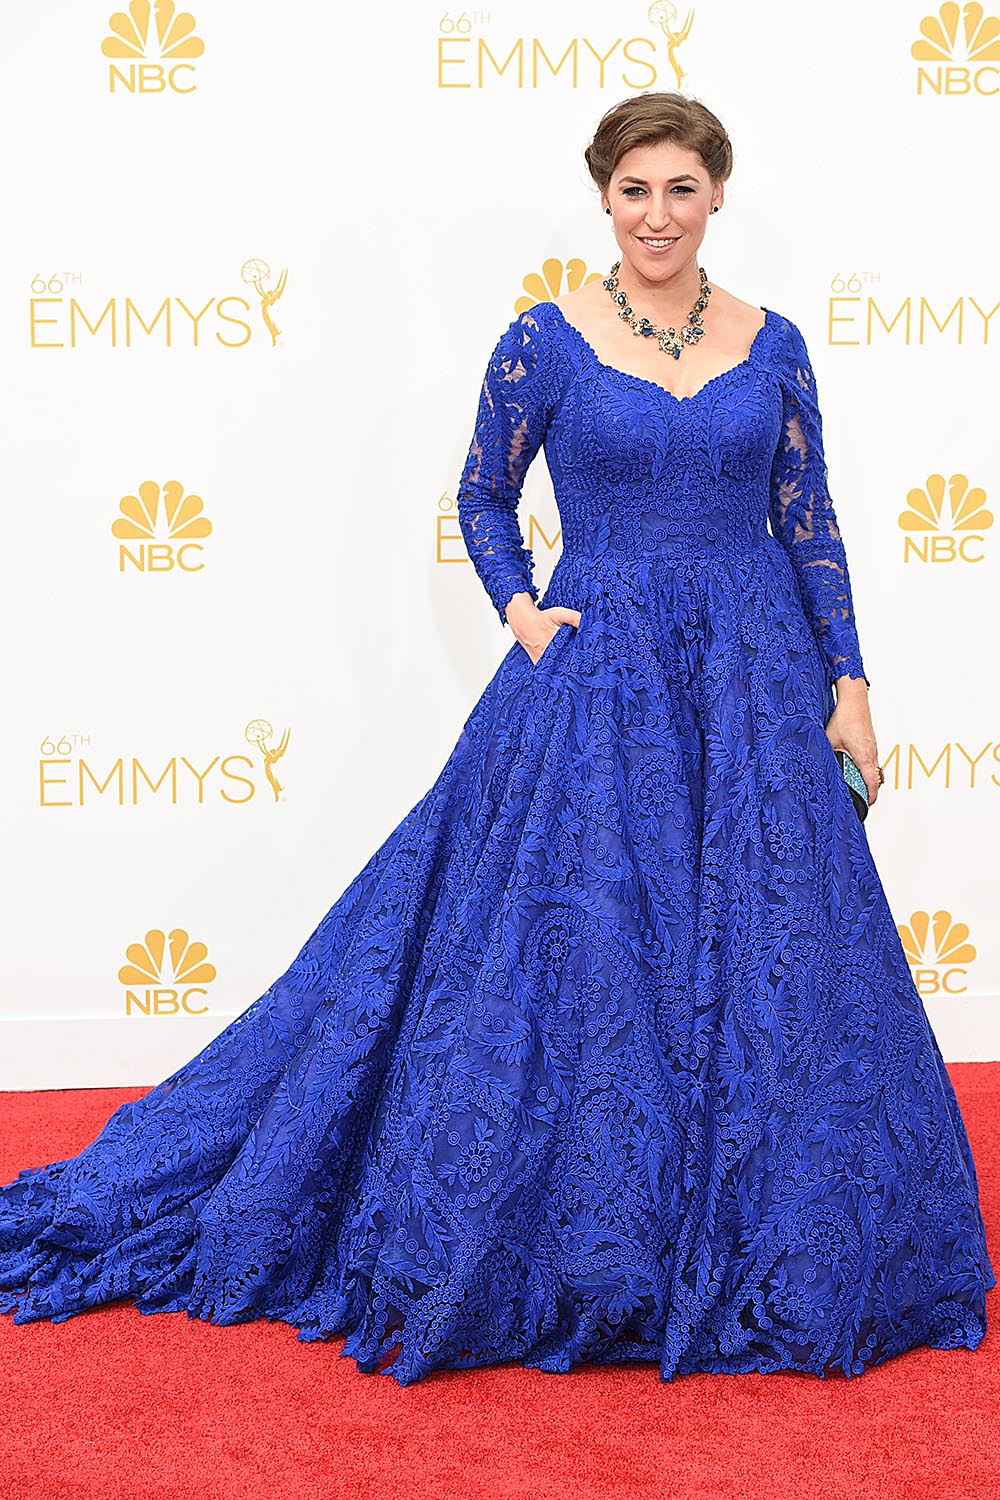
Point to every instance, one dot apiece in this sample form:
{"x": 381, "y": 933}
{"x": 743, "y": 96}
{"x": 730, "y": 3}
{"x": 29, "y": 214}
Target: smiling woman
{"x": 611, "y": 1050}
{"x": 659, "y": 190}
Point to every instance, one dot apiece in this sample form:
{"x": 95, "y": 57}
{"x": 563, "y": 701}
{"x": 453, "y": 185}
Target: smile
{"x": 657, "y": 246}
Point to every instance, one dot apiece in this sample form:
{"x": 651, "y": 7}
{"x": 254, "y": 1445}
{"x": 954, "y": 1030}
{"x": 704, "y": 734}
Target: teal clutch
{"x": 856, "y": 783}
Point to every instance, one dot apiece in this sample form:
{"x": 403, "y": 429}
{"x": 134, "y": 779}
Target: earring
{"x": 607, "y": 210}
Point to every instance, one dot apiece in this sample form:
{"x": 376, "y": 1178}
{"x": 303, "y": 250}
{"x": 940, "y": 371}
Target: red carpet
{"x": 115, "y": 1404}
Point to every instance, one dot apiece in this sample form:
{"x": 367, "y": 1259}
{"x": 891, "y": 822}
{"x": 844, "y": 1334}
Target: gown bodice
{"x": 641, "y": 474}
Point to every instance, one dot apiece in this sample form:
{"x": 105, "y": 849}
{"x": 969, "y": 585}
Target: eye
{"x": 680, "y": 188}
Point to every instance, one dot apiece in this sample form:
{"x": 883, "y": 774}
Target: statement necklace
{"x": 668, "y": 338}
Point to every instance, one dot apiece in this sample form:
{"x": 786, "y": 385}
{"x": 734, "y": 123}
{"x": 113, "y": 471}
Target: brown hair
{"x": 644, "y": 119}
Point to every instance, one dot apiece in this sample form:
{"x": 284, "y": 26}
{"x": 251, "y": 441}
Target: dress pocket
{"x": 561, "y": 626}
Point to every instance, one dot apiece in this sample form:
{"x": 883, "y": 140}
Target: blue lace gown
{"x": 611, "y": 1050}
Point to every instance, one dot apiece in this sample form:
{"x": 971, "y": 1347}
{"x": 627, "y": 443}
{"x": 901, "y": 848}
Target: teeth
{"x": 659, "y": 242}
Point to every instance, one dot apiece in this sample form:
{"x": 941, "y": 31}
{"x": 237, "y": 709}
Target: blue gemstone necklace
{"x": 669, "y": 340}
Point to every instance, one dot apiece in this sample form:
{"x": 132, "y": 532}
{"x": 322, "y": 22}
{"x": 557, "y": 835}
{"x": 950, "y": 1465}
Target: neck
{"x": 663, "y": 299}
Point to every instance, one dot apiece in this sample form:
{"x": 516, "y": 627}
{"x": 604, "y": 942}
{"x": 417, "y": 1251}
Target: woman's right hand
{"x": 535, "y": 627}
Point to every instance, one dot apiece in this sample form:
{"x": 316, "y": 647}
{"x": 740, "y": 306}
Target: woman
{"x": 611, "y": 1051}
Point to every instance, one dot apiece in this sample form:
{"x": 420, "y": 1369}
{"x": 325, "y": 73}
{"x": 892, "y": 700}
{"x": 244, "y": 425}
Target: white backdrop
{"x": 405, "y": 182}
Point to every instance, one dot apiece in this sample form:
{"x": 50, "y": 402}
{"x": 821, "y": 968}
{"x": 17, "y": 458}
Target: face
{"x": 660, "y": 191}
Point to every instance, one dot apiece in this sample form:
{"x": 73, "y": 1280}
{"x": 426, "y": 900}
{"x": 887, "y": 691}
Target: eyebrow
{"x": 684, "y": 177}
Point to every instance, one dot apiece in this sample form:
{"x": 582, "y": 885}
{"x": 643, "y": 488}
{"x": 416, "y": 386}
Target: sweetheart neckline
{"x": 642, "y": 380}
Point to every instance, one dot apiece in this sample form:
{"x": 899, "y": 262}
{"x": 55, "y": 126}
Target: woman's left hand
{"x": 850, "y": 728}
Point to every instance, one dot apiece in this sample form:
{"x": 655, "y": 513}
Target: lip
{"x": 658, "y": 249}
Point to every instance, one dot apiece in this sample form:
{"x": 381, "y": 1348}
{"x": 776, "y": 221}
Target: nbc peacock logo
{"x": 152, "y": 60}
{"x": 938, "y": 951}
{"x": 166, "y": 975}
{"x": 160, "y": 529}
{"x": 945, "y": 521}
{"x": 958, "y": 51}
{"x": 555, "y": 277}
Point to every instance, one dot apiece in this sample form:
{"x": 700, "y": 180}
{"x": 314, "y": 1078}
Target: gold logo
{"x": 59, "y": 319}
{"x": 67, "y": 777}
{"x": 258, "y": 732}
{"x": 663, "y": 13}
{"x": 937, "y": 950}
{"x": 554, "y": 278}
{"x": 255, "y": 273}
{"x": 184, "y": 987}
{"x": 157, "y": 63}
{"x": 948, "y": 764}
{"x": 945, "y": 521}
{"x": 963, "y": 44}
{"x": 167, "y": 533}
{"x": 470, "y": 57}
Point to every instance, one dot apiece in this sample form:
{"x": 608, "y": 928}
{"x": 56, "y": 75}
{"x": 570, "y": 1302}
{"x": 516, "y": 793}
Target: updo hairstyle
{"x": 644, "y": 119}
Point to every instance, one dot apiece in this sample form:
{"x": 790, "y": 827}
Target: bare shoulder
{"x": 743, "y": 317}
{"x": 584, "y": 297}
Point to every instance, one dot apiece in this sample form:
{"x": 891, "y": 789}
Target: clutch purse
{"x": 856, "y": 783}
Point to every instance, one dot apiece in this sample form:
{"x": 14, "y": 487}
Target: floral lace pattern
{"x": 611, "y": 1050}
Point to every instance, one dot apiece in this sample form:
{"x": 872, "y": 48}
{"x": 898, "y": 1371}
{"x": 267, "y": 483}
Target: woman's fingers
{"x": 547, "y": 644}
{"x": 555, "y": 616}
{"x": 869, "y": 771}
{"x": 563, "y": 615}
{"x": 867, "y": 763}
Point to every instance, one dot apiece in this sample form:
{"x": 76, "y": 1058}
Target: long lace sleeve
{"x": 803, "y": 519}
{"x": 515, "y": 406}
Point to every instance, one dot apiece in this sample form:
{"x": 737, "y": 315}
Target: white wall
{"x": 413, "y": 205}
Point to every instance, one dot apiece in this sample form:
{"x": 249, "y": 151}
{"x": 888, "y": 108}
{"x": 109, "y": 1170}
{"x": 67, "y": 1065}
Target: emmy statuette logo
{"x": 663, "y": 13}
{"x": 258, "y": 732}
{"x": 255, "y": 273}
